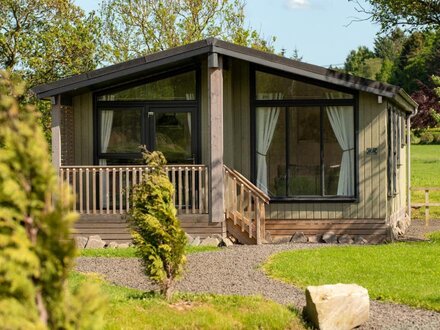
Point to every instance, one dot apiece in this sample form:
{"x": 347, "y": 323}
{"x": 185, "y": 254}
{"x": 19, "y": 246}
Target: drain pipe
{"x": 408, "y": 159}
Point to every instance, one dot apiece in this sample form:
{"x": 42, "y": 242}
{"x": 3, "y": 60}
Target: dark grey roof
{"x": 131, "y": 69}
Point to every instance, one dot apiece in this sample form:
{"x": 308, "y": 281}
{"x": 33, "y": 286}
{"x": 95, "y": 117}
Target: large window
{"x": 304, "y": 142}
{"x": 160, "y": 114}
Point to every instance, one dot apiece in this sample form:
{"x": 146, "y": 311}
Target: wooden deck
{"x": 115, "y": 227}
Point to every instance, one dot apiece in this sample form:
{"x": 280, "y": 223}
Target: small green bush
{"x": 434, "y": 236}
{"x": 157, "y": 236}
{"x": 436, "y": 137}
{"x": 414, "y": 138}
{"x": 426, "y": 137}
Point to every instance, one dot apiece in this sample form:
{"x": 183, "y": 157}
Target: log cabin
{"x": 259, "y": 146}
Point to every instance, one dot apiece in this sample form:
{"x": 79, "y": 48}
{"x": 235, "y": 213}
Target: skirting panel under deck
{"x": 373, "y": 230}
{"x": 115, "y": 228}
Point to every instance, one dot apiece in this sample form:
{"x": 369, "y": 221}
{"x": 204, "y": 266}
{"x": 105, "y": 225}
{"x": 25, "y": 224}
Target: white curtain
{"x": 267, "y": 119}
{"x": 106, "y": 131}
{"x": 342, "y": 122}
{"x": 189, "y": 96}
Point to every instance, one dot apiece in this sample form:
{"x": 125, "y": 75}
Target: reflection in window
{"x": 305, "y": 151}
{"x": 267, "y": 84}
{"x": 120, "y": 130}
{"x": 178, "y": 87}
{"x": 173, "y": 136}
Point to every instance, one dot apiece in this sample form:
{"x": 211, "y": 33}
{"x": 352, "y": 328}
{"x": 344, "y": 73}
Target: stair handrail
{"x": 242, "y": 179}
{"x": 245, "y": 204}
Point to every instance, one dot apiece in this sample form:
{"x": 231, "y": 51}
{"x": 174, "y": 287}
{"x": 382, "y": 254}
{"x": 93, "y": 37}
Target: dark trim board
{"x": 186, "y": 54}
{"x": 373, "y": 230}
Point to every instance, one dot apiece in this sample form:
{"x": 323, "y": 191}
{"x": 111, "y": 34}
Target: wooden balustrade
{"x": 427, "y": 203}
{"x": 106, "y": 189}
{"x": 245, "y": 204}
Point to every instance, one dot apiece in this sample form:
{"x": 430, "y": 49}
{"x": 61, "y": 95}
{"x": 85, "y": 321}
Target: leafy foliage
{"x": 36, "y": 253}
{"x": 46, "y": 40}
{"x": 156, "y": 232}
{"x": 410, "y": 14}
{"x": 138, "y": 27}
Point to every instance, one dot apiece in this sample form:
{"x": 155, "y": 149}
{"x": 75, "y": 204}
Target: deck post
{"x": 215, "y": 127}
{"x": 56, "y": 132}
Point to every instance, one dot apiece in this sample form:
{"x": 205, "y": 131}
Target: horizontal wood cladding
{"x": 115, "y": 227}
{"x": 374, "y": 230}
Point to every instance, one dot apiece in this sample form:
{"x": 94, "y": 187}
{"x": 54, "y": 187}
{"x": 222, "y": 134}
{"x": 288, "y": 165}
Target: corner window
{"x": 304, "y": 151}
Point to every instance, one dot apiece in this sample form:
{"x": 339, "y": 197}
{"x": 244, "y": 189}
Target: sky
{"x": 319, "y": 29}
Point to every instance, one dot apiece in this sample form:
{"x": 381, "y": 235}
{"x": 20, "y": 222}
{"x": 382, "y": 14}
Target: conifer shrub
{"x": 157, "y": 236}
{"x": 36, "y": 252}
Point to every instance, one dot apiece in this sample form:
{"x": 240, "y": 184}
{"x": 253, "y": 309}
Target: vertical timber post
{"x": 56, "y": 132}
{"x": 215, "y": 127}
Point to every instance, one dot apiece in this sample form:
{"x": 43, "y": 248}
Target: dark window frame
{"x": 192, "y": 106}
{"x": 321, "y": 103}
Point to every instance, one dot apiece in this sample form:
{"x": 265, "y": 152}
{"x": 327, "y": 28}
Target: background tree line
{"x": 406, "y": 52}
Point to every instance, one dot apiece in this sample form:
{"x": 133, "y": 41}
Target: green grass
{"x": 133, "y": 309}
{"x": 406, "y": 273}
{"x": 425, "y": 172}
{"x": 131, "y": 252}
{"x": 434, "y": 237}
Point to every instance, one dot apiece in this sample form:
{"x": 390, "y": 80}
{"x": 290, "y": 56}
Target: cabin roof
{"x": 132, "y": 69}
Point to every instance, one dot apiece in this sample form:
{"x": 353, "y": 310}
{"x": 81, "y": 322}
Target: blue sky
{"x": 317, "y": 28}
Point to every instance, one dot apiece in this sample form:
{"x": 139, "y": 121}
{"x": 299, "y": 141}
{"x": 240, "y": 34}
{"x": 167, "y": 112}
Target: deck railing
{"x": 427, "y": 202}
{"x": 245, "y": 204}
{"x": 106, "y": 189}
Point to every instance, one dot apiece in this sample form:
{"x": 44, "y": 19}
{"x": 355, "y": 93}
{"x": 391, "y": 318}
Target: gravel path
{"x": 236, "y": 271}
{"x": 418, "y": 230}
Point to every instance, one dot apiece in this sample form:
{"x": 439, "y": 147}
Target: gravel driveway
{"x": 236, "y": 270}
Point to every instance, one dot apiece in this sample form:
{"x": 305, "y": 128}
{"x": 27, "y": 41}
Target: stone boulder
{"x": 314, "y": 238}
{"x": 345, "y": 239}
{"x": 330, "y": 237}
{"x": 123, "y": 245}
{"x": 81, "y": 242}
{"x": 112, "y": 245}
{"x": 189, "y": 238}
{"x": 226, "y": 242}
{"x": 95, "y": 242}
{"x": 210, "y": 241}
{"x": 339, "y": 306}
{"x": 299, "y": 237}
{"x": 360, "y": 240}
{"x": 196, "y": 241}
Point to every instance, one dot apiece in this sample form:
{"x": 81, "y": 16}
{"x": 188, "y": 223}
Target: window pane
{"x": 338, "y": 128}
{"x": 120, "y": 130}
{"x": 271, "y": 151}
{"x": 173, "y": 136}
{"x": 304, "y": 176}
{"x": 179, "y": 87}
{"x": 270, "y": 86}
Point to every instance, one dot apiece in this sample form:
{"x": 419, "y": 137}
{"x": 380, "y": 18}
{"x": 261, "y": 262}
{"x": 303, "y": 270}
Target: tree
{"x": 408, "y": 14}
{"x": 156, "y": 232}
{"x": 36, "y": 252}
{"x": 46, "y": 40}
{"x": 134, "y": 28}
{"x": 362, "y": 62}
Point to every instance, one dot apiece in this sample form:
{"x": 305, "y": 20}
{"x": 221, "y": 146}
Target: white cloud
{"x": 297, "y": 4}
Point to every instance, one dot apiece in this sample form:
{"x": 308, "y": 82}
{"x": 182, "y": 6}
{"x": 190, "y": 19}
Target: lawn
{"x": 133, "y": 309}
{"x": 131, "y": 252}
{"x": 405, "y": 273}
{"x": 425, "y": 172}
